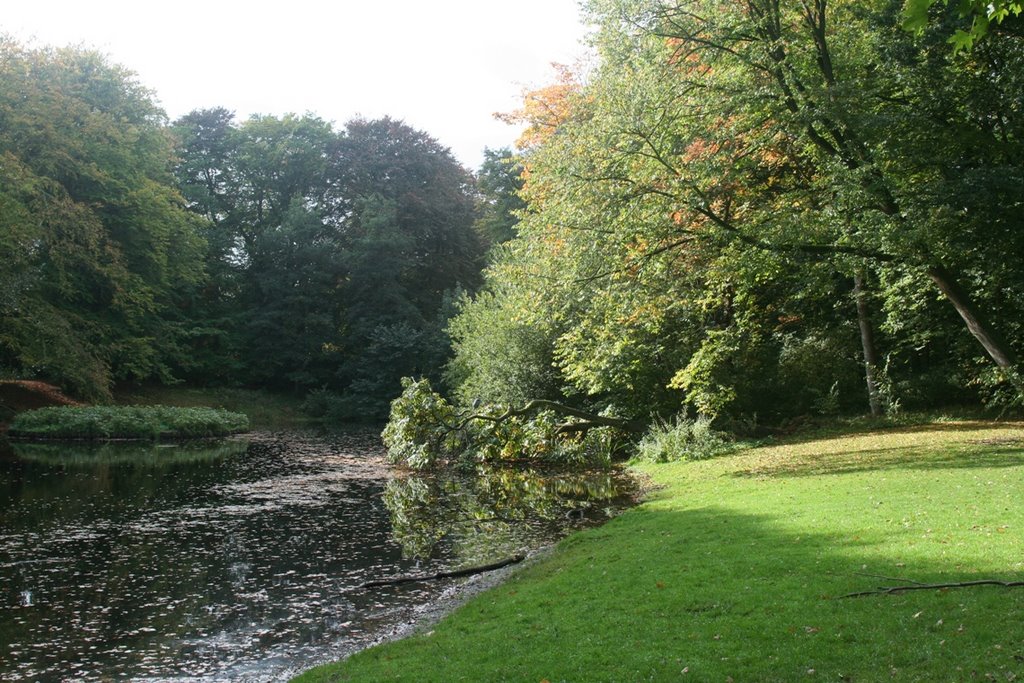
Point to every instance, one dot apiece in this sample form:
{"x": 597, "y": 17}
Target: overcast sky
{"x": 444, "y": 66}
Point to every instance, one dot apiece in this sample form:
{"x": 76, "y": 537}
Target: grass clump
{"x": 126, "y": 422}
{"x": 681, "y": 439}
{"x": 735, "y": 568}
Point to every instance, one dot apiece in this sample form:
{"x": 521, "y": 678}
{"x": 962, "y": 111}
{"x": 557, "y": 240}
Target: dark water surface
{"x": 241, "y": 561}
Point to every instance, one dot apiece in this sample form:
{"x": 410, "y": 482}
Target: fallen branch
{"x": 409, "y": 578}
{"x": 589, "y": 420}
{"x": 889, "y": 590}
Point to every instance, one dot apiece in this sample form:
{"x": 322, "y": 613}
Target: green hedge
{"x": 126, "y": 422}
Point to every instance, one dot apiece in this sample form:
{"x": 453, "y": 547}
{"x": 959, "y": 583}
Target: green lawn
{"x": 733, "y": 571}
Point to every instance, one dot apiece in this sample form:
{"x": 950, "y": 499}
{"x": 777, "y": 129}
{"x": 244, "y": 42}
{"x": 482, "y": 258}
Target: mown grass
{"x": 126, "y": 422}
{"x": 734, "y": 570}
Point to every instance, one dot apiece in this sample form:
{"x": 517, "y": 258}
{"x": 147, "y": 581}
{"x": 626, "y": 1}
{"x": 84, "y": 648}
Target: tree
{"x": 812, "y": 128}
{"x": 104, "y": 256}
{"x": 743, "y": 202}
{"x": 270, "y": 189}
{"x": 980, "y": 15}
{"x": 499, "y": 181}
{"x": 333, "y": 254}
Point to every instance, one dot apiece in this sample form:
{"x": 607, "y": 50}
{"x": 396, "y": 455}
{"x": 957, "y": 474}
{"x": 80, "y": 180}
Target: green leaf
{"x": 915, "y": 15}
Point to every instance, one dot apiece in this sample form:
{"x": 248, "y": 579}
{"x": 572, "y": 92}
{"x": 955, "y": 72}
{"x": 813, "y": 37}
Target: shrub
{"x": 126, "y": 422}
{"x": 681, "y": 439}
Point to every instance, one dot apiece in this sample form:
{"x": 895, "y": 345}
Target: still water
{"x": 241, "y": 561}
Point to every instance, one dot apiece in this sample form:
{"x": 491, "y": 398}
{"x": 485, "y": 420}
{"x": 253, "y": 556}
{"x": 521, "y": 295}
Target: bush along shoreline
{"x": 107, "y": 423}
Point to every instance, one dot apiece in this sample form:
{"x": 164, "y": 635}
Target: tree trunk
{"x": 994, "y": 344}
{"x": 867, "y": 341}
{"x": 996, "y": 347}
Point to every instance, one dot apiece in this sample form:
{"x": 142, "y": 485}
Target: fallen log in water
{"x": 409, "y": 578}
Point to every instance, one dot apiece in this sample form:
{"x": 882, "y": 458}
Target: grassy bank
{"x": 126, "y": 422}
{"x": 735, "y": 568}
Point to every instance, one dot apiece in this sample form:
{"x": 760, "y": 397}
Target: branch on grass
{"x": 410, "y": 578}
{"x": 914, "y": 586}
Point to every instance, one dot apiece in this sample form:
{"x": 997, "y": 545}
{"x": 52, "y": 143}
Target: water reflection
{"x": 136, "y": 453}
{"x": 234, "y": 564}
{"x": 492, "y": 513}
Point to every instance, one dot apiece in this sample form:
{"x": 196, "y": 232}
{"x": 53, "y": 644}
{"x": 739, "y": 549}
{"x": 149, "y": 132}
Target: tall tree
{"x": 818, "y": 129}
{"x": 412, "y": 247}
{"x": 269, "y": 188}
{"x": 105, "y": 257}
{"x": 700, "y": 210}
{"x": 499, "y": 182}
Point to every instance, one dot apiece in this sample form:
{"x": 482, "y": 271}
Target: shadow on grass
{"x": 717, "y": 595}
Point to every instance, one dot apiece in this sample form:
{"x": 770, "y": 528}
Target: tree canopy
{"x": 100, "y": 255}
{"x": 276, "y": 252}
{"x": 743, "y": 213}
{"x": 746, "y": 208}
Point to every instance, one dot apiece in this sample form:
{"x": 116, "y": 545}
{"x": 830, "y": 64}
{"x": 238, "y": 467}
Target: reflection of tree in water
{"x": 495, "y": 511}
{"x": 138, "y": 453}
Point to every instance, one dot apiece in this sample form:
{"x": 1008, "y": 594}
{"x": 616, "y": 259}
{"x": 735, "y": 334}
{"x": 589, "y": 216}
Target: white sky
{"x": 443, "y": 66}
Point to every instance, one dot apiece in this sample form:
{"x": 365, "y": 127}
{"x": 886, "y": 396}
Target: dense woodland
{"x": 742, "y": 213}
{"x": 277, "y": 253}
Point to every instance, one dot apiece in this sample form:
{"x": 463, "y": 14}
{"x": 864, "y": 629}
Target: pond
{"x": 243, "y": 560}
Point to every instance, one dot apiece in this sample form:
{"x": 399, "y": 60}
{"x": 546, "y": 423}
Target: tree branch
{"x": 590, "y": 420}
{"x": 410, "y": 578}
{"x": 914, "y": 586}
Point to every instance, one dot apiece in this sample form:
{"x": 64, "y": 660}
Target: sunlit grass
{"x": 735, "y": 568}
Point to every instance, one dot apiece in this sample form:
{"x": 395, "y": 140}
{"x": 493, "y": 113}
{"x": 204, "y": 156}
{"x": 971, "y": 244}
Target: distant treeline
{"x": 274, "y": 252}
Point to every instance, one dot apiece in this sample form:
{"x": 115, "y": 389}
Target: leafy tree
{"x": 333, "y": 253}
{"x": 981, "y": 16}
{"x": 411, "y": 247}
{"x": 810, "y": 129}
{"x": 746, "y": 201}
{"x": 103, "y": 256}
{"x": 499, "y": 181}
{"x": 269, "y": 189}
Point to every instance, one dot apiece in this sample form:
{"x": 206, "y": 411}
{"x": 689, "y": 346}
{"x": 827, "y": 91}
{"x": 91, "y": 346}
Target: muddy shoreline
{"x": 422, "y": 618}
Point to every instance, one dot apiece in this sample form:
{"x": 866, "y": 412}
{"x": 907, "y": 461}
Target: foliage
{"x": 336, "y": 271}
{"x": 425, "y": 430}
{"x": 126, "y": 422}
{"x": 418, "y": 433}
{"x": 502, "y": 348}
{"x": 681, "y": 439}
{"x": 982, "y": 16}
{"x": 99, "y": 252}
{"x": 264, "y": 409}
{"x": 701, "y": 205}
{"x": 499, "y": 181}
{"x": 732, "y": 568}
{"x": 492, "y": 511}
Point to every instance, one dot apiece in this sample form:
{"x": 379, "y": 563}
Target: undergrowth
{"x": 126, "y": 422}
